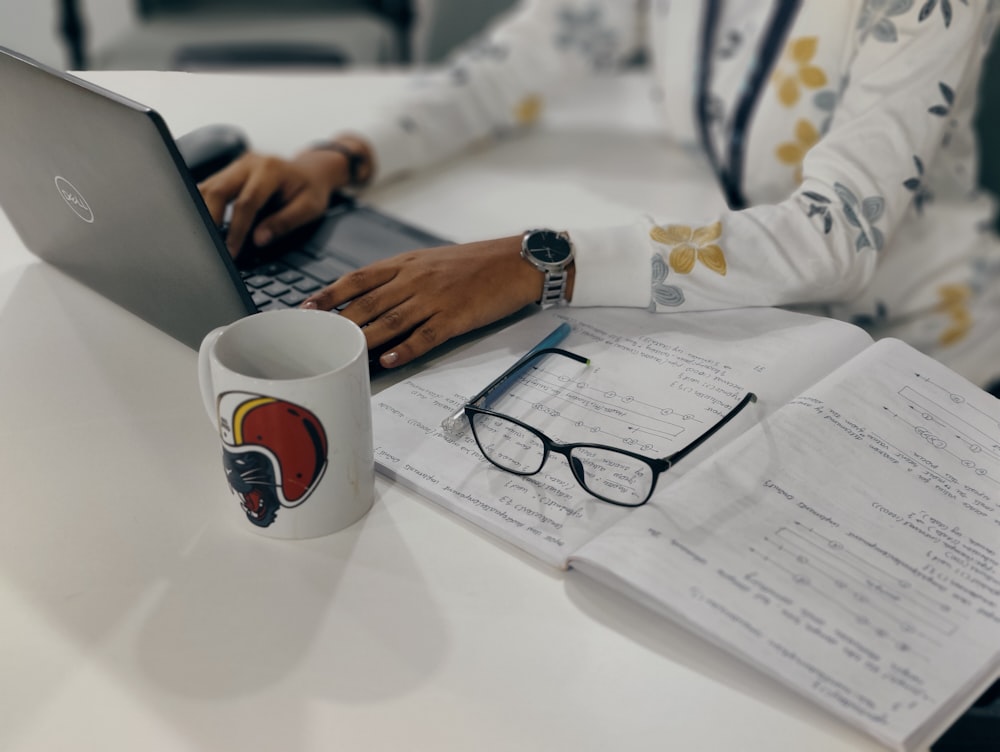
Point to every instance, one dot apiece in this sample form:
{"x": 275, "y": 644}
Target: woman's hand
{"x": 434, "y": 294}
{"x": 301, "y": 186}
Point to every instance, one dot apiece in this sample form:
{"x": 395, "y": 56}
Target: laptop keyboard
{"x": 292, "y": 279}
{"x": 312, "y": 257}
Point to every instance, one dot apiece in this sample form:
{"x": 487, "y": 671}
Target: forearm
{"x": 500, "y": 84}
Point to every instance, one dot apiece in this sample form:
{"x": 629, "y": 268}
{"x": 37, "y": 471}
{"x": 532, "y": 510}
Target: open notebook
{"x": 842, "y": 534}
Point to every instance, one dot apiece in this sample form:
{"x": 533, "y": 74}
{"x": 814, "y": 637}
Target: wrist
{"x": 327, "y": 168}
{"x": 354, "y": 158}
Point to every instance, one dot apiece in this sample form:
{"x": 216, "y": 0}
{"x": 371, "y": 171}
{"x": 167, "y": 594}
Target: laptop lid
{"x": 93, "y": 184}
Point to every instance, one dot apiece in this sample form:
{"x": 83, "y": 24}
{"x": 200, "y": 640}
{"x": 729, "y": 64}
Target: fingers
{"x": 420, "y": 299}
{"x": 424, "y": 338}
{"x": 409, "y": 328}
{"x": 219, "y": 189}
{"x": 302, "y": 209}
{"x": 389, "y": 313}
{"x": 247, "y": 187}
{"x": 228, "y": 188}
{"x": 358, "y": 288}
{"x": 258, "y": 186}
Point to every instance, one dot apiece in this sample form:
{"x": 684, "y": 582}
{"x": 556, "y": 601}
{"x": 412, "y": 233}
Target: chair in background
{"x": 240, "y": 34}
{"x": 440, "y": 26}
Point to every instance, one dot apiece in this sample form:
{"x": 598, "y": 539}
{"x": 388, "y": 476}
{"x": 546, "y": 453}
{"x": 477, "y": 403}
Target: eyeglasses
{"x": 614, "y": 475}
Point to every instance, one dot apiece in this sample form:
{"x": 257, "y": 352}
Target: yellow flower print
{"x": 793, "y": 152}
{"x": 799, "y": 55}
{"x": 955, "y": 305}
{"x": 528, "y": 110}
{"x": 688, "y": 245}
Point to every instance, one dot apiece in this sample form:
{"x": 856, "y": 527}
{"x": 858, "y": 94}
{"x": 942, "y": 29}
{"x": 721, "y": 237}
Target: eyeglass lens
{"x": 508, "y": 445}
{"x": 606, "y": 473}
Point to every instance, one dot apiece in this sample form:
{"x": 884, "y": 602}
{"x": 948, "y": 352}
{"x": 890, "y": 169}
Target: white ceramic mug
{"x": 289, "y": 392}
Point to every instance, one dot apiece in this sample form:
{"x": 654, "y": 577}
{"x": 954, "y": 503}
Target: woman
{"x": 840, "y": 134}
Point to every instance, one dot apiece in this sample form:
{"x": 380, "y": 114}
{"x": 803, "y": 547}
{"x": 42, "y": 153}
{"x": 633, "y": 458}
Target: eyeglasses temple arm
{"x": 454, "y": 424}
{"x": 499, "y": 385}
{"x": 685, "y": 451}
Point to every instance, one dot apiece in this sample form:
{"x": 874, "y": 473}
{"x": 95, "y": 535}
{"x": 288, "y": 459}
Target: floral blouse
{"x": 839, "y": 132}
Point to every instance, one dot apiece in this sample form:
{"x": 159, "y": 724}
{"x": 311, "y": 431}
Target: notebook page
{"x": 849, "y": 545}
{"x": 654, "y": 383}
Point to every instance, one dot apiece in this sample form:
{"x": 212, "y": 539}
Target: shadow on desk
{"x": 123, "y": 561}
{"x": 665, "y": 637}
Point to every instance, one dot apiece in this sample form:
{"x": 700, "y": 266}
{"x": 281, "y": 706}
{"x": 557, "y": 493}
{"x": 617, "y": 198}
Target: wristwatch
{"x": 359, "y": 169}
{"x": 551, "y": 253}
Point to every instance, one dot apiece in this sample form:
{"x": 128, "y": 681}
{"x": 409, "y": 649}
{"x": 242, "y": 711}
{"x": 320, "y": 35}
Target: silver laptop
{"x": 95, "y": 185}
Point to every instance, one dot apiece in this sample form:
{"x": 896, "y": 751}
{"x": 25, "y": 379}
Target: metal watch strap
{"x": 551, "y": 252}
{"x": 553, "y": 289}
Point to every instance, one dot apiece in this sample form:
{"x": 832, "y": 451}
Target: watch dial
{"x": 548, "y": 247}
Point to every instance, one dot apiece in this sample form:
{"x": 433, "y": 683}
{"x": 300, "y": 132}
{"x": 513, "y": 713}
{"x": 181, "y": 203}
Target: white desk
{"x": 136, "y": 615}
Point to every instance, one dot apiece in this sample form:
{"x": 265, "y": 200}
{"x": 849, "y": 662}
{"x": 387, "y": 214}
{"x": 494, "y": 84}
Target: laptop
{"x": 94, "y": 184}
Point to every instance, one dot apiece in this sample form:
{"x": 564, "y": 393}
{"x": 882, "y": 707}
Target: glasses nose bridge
{"x": 575, "y": 466}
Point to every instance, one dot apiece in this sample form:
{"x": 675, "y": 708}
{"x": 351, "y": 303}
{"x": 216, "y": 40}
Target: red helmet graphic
{"x": 275, "y": 452}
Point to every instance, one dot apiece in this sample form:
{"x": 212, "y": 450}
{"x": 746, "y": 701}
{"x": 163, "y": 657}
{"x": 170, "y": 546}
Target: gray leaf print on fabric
{"x": 948, "y": 95}
{"x": 820, "y": 206}
{"x": 668, "y": 295}
{"x": 663, "y": 294}
{"x": 584, "y": 31}
{"x": 946, "y": 11}
{"x": 730, "y": 44}
{"x": 872, "y": 208}
{"x": 715, "y": 111}
{"x": 869, "y": 209}
{"x": 660, "y": 269}
{"x": 921, "y": 193}
{"x": 850, "y": 202}
{"x": 826, "y": 101}
{"x": 487, "y": 50}
{"x": 876, "y": 17}
{"x": 878, "y": 316}
{"x": 944, "y": 111}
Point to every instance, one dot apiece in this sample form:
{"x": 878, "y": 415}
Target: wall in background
{"x": 444, "y": 24}
{"x": 31, "y": 26}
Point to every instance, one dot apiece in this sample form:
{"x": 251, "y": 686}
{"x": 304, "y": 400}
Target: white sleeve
{"x": 500, "y": 83}
{"x": 823, "y": 243}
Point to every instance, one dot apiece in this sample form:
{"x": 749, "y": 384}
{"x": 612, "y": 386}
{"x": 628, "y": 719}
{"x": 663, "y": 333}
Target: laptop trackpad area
{"x": 362, "y": 235}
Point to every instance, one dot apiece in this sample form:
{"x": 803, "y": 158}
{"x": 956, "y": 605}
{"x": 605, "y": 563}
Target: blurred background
{"x": 240, "y": 34}
{"x": 298, "y": 34}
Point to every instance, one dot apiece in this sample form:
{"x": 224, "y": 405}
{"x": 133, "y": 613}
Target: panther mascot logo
{"x": 274, "y": 453}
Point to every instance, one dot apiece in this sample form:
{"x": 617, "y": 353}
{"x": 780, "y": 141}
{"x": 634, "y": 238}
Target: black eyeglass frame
{"x": 659, "y": 465}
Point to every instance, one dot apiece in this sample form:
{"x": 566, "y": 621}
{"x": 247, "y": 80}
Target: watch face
{"x": 548, "y": 247}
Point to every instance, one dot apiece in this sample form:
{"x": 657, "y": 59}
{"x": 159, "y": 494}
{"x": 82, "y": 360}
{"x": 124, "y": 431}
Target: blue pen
{"x": 454, "y": 423}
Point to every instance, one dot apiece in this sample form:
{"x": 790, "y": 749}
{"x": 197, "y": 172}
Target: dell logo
{"x": 74, "y": 200}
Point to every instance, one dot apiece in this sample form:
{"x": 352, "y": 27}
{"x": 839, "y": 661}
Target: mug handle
{"x": 205, "y": 372}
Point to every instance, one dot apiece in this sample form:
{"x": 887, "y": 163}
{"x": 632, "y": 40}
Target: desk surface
{"x": 138, "y": 615}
